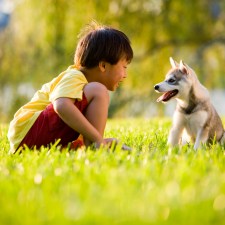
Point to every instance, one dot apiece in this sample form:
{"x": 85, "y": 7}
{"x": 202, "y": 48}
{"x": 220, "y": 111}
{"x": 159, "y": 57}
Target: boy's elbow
{"x": 59, "y": 105}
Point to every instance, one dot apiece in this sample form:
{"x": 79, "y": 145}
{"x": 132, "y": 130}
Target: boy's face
{"x": 115, "y": 74}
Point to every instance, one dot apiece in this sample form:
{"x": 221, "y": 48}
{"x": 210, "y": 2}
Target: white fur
{"x": 196, "y": 123}
{"x": 192, "y": 126}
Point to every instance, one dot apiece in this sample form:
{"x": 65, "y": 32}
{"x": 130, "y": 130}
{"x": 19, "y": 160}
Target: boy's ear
{"x": 102, "y": 66}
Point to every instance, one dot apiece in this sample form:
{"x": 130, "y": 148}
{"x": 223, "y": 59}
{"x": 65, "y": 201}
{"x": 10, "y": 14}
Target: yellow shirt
{"x": 69, "y": 83}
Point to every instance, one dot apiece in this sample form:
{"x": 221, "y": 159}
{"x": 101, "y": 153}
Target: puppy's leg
{"x": 176, "y": 130}
{"x": 222, "y": 140}
{"x": 202, "y": 137}
{"x": 174, "y": 136}
{"x": 185, "y": 139}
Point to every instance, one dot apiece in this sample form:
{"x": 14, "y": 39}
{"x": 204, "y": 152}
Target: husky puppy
{"x": 194, "y": 112}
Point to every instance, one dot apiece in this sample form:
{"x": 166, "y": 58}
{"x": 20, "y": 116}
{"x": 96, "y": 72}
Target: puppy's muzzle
{"x": 156, "y": 87}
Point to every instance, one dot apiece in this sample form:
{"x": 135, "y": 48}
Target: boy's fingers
{"x": 127, "y": 148}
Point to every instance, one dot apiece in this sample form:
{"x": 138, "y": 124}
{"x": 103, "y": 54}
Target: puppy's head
{"x": 176, "y": 83}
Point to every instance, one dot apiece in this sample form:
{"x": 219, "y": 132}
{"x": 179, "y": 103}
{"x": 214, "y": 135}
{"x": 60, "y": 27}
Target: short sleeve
{"x": 71, "y": 86}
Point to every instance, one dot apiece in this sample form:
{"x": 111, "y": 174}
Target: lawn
{"x": 145, "y": 186}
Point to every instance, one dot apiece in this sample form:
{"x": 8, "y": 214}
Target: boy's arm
{"x": 70, "y": 114}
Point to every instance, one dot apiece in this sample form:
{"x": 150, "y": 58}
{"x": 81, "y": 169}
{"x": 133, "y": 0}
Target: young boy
{"x": 75, "y": 103}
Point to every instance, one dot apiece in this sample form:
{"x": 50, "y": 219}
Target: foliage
{"x": 145, "y": 186}
{"x": 41, "y": 39}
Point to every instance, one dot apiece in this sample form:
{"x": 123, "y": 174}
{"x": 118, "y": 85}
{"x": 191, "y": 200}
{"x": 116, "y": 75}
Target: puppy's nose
{"x": 156, "y": 87}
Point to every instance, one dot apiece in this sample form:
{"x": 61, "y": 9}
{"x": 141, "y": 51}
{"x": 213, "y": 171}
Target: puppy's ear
{"x": 183, "y": 68}
{"x": 173, "y": 63}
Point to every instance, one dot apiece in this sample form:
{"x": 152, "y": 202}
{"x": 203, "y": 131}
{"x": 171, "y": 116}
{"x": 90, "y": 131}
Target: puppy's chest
{"x": 194, "y": 122}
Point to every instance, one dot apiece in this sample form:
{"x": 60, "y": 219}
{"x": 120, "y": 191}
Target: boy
{"x": 76, "y": 102}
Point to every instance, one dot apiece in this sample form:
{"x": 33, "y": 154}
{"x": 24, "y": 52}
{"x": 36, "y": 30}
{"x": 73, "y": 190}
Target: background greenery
{"x": 40, "y": 40}
{"x": 145, "y": 186}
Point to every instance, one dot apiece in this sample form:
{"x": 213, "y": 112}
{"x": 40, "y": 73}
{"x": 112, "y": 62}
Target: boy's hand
{"x": 126, "y": 148}
{"x": 110, "y": 141}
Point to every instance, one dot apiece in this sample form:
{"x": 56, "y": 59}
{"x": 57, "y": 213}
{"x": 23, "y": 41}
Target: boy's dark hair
{"x": 101, "y": 43}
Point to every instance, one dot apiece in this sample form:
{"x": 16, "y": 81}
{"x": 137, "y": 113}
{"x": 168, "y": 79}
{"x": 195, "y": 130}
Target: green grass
{"x": 146, "y": 186}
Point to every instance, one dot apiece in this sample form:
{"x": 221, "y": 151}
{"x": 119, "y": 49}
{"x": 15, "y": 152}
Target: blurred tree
{"x": 42, "y": 36}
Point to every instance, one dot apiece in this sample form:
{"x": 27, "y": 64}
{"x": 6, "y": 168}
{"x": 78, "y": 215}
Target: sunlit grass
{"x": 114, "y": 187}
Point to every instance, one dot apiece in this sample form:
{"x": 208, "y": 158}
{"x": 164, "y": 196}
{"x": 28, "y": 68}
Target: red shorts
{"x": 49, "y": 127}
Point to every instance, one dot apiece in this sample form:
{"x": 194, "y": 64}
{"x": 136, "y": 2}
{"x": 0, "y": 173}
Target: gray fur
{"x": 194, "y": 112}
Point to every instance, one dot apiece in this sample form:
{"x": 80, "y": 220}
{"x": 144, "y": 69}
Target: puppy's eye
{"x": 171, "y": 80}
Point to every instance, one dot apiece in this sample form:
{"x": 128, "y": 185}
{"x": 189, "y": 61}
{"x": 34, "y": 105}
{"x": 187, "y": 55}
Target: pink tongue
{"x": 164, "y": 97}
{"x": 167, "y": 96}
{"x": 160, "y": 98}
